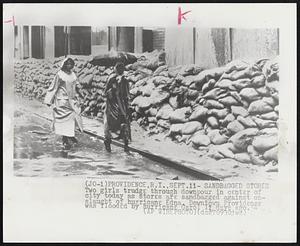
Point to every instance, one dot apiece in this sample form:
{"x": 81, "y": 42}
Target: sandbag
{"x": 144, "y": 72}
{"x": 231, "y": 147}
{"x": 228, "y": 101}
{"x": 147, "y": 89}
{"x": 245, "y": 104}
{"x": 229, "y": 118}
{"x": 264, "y": 142}
{"x": 212, "y": 104}
{"x": 160, "y": 69}
{"x": 213, "y": 73}
{"x": 87, "y": 79}
{"x": 164, "y": 112}
{"x": 191, "y": 127}
{"x": 238, "y": 110}
{"x": 208, "y": 86}
{"x": 269, "y": 131}
{"x": 263, "y": 91}
{"x": 235, "y": 127}
{"x": 199, "y": 113}
{"x": 199, "y": 139}
{"x": 163, "y": 123}
{"x": 237, "y": 97}
{"x": 152, "y": 120}
{"x": 271, "y": 154}
{"x": 241, "y": 83}
{"x": 159, "y": 96}
{"x": 218, "y": 113}
{"x": 192, "y": 94}
{"x": 135, "y": 91}
{"x": 142, "y": 82}
{"x": 173, "y": 71}
{"x": 224, "y": 150}
{"x": 249, "y": 72}
{"x": 258, "y": 81}
{"x": 213, "y": 122}
{"x": 269, "y": 116}
{"x": 243, "y": 138}
{"x": 180, "y": 115}
{"x": 188, "y": 80}
{"x": 216, "y": 138}
{"x": 259, "y": 107}
{"x": 237, "y": 65}
{"x": 249, "y": 94}
{"x": 256, "y": 158}
{"x": 225, "y": 84}
{"x": 270, "y": 100}
{"x": 247, "y": 122}
{"x": 263, "y": 123}
{"x": 243, "y": 157}
{"x": 142, "y": 102}
{"x": 176, "y": 128}
{"x": 190, "y": 69}
{"x": 152, "y": 111}
{"x": 162, "y": 80}
{"x": 214, "y": 93}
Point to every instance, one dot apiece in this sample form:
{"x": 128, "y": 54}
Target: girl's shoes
{"x": 107, "y": 145}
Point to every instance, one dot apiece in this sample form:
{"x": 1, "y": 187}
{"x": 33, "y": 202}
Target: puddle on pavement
{"x": 39, "y": 153}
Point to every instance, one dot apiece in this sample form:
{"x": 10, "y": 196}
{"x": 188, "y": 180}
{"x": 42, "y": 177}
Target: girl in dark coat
{"x": 116, "y": 115}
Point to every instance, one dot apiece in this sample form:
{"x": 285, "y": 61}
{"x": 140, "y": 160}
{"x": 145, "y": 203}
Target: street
{"x": 38, "y": 152}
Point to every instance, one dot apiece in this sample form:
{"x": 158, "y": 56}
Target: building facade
{"x": 42, "y": 42}
{"x": 213, "y": 47}
{"x": 210, "y": 47}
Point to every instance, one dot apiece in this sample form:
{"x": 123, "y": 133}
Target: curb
{"x": 154, "y": 157}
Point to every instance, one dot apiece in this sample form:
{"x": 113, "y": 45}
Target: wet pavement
{"x": 38, "y": 152}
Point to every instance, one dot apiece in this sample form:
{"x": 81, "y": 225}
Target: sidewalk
{"x": 225, "y": 169}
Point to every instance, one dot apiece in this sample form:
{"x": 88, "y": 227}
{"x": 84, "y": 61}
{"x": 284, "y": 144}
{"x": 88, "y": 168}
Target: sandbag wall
{"x": 226, "y": 112}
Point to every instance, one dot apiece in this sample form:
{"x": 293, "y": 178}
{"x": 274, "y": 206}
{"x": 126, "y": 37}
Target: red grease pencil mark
{"x": 181, "y": 15}
{"x": 12, "y": 20}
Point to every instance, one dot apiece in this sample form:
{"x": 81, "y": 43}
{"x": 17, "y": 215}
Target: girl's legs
{"x": 74, "y": 140}
{"x": 107, "y": 135}
{"x": 66, "y": 142}
{"x": 124, "y": 135}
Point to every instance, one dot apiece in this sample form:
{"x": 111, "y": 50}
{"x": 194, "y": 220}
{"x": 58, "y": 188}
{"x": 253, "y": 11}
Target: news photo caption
{"x": 175, "y": 198}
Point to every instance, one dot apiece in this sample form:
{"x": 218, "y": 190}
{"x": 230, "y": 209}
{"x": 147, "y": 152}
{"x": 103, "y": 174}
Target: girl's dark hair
{"x": 68, "y": 60}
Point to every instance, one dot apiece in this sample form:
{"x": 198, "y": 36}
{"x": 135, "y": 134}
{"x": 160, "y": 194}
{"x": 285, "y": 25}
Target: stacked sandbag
{"x": 243, "y": 105}
{"x": 149, "y": 60}
{"x": 230, "y": 111}
{"x": 236, "y": 106}
{"x": 33, "y": 77}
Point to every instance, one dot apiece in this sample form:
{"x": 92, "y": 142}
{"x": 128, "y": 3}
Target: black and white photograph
{"x": 140, "y": 102}
{"x": 155, "y": 115}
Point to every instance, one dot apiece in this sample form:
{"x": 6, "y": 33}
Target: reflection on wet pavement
{"x": 39, "y": 153}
